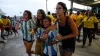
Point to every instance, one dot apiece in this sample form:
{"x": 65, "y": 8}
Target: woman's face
{"x": 59, "y": 10}
{"x": 46, "y": 22}
{"x": 39, "y": 15}
{"x": 25, "y": 15}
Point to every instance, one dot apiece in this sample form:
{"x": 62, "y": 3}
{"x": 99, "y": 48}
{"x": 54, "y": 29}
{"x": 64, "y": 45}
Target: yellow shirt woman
{"x": 78, "y": 19}
{"x": 6, "y": 21}
{"x": 89, "y": 22}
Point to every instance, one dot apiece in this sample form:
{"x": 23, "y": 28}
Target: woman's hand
{"x": 17, "y": 27}
{"x": 31, "y": 30}
{"x": 59, "y": 37}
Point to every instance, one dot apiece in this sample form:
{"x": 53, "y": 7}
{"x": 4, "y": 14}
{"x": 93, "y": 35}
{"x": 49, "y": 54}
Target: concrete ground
{"x": 15, "y": 47}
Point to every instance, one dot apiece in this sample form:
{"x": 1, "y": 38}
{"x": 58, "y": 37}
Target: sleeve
{"x": 96, "y": 20}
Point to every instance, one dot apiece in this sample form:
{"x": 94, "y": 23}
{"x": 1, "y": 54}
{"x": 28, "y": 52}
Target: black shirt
{"x": 66, "y": 30}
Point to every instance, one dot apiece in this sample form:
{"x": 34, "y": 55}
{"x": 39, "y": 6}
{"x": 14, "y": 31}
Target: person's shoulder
{"x": 68, "y": 17}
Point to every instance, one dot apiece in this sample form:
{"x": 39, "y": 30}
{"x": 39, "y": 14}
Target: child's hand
{"x": 44, "y": 36}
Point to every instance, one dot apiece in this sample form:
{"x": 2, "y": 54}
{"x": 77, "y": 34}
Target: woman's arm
{"x": 73, "y": 28}
{"x": 17, "y": 26}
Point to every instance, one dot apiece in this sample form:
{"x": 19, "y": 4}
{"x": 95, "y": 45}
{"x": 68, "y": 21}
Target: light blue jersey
{"x": 25, "y": 26}
{"x": 48, "y": 49}
{"x": 39, "y": 32}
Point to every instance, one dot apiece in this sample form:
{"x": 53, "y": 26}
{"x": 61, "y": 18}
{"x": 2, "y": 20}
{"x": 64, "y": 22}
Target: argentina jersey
{"x": 25, "y": 26}
{"x": 50, "y": 49}
{"x": 39, "y": 32}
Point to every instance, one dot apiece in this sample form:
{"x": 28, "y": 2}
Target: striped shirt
{"x": 39, "y": 32}
{"x": 13, "y": 23}
{"x": 48, "y": 49}
{"x": 25, "y": 26}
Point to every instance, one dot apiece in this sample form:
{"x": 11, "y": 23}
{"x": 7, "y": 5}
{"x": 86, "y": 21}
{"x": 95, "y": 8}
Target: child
{"x": 48, "y": 38}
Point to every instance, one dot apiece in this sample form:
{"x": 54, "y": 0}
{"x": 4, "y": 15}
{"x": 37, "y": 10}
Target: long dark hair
{"x": 64, "y": 7}
{"x": 29, "y": 14}
{"x": 38, "y": 20}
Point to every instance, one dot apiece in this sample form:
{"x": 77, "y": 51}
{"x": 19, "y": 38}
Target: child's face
{"x": 46, "y": 22}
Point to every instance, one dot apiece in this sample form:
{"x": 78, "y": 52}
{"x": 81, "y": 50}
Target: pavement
{"x": 15, "y": 47}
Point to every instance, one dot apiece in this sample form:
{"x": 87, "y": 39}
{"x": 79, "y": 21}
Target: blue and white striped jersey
{"x": 48, "y": 49}
{"x": 25, "y": 26}
{"x": 39, "y": 32}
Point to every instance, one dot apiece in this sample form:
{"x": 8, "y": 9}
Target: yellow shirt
{"x": 6, "y": 21}
{"x": 78, "y": 19}
{"x": 89, "y": 23}
{"x": 1, "y": 22}
{"x": 73, "y": 16}
{"x": 52, "y": 18}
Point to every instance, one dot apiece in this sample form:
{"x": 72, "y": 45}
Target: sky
{"x": 17, "y": 7}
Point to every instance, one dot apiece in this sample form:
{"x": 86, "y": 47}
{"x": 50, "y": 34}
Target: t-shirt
{"x": 6, "y": 21}
{"x": 52, "y": 18}
{"x": 48, "y": 49}
{"x": 89, "y": 22}
{"x": 25, "y": 26}
{"x": 73, "y": 16}
{"x": 78, "y": 19}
